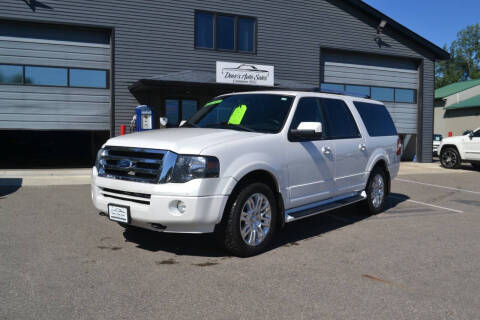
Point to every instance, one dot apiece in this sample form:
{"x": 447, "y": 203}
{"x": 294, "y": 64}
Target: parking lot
{"x": 420, "y": 259}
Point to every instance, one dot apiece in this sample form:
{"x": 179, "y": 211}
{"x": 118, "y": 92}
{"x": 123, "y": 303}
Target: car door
{"x": 310, "y": 163}
{"x": 351, "y": 154}
{"x": 472, "y": 146}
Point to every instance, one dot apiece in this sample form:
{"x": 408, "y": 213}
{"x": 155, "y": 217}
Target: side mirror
{"x": 306, "y": 131}
{"x": 182, "y": 123}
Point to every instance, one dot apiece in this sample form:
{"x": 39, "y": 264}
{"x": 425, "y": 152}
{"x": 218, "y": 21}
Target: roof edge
{"x": 439, "y": 53}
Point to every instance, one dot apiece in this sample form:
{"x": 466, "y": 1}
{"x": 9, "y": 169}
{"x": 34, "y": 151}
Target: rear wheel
{"x": 250, "y": 221}
{"x": 450, "y": 158}
{"x": 376, "y": 192}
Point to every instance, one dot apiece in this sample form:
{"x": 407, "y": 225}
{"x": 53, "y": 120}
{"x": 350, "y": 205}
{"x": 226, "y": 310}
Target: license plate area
{"x": 119, "y": 213}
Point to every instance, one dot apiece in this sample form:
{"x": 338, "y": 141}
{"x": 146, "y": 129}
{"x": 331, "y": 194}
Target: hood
{"x": 180, "y": 140}
{"x": 452, "y": 139}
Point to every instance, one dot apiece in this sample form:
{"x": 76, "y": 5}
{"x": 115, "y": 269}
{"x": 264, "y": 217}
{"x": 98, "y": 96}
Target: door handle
{"x": 362, "y": 147}
{"x": 326, "y": 150}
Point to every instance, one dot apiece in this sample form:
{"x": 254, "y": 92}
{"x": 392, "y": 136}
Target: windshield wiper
{"x": 191, "y": 125}
{"x": 227, "y": 125}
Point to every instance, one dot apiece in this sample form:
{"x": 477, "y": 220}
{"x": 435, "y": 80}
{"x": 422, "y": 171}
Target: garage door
{"x": 393, "y": 81}
{"x": 54, "y": 77}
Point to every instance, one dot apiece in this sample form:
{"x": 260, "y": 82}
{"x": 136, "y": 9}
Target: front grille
{"x": 142, "y": 198}
{"x": 133, "y": 164}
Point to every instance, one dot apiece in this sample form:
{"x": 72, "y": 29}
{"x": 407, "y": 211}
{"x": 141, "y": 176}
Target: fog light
{"x": 181, "y": 206}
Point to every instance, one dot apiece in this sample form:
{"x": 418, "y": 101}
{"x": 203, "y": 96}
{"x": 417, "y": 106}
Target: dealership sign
{"x": 244, "y": 73}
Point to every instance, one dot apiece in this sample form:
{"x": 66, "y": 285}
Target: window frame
{"x": 415, "y": 91}
{"x": 23, "y": 66}
{"x": 235, "y": 32}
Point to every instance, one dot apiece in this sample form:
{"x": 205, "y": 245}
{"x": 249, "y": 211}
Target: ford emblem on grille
{"x": 124, "y": 163}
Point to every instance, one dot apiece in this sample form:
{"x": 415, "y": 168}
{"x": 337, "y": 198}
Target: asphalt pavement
{"x": 420, "y": 259}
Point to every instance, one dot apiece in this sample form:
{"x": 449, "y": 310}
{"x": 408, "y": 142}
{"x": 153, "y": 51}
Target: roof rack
{"x": 343, "y": 93}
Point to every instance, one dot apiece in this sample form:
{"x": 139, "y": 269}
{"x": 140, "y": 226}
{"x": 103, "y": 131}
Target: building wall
{"x": 157, "y": 37}
{"x": 461, "y": 96}
{"x": 456, "y": 120}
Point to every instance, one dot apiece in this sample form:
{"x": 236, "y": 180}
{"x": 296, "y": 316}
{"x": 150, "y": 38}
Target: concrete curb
{"x": 45, "y": 177}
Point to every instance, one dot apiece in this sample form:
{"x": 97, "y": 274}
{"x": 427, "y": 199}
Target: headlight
{"x": 100, "y": 154}
{"x": 194, "y": 167}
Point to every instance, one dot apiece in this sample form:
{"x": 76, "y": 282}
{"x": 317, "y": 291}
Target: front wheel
{"x": 251, "y": 221}
{"x": 476, "y": 165}
{"x": 450, "y": 158}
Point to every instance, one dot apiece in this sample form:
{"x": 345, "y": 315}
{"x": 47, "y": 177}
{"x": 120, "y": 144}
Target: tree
{"x": 464, "y": 63}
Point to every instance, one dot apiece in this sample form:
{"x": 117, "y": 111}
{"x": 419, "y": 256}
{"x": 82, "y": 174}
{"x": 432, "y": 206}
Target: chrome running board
{"x": 323, "y": 206}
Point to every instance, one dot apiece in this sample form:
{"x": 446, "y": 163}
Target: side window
{"x": 339, "y": 119}
{"x": 476, "y": 134}
{"x": 308, "y": 110}
{"x": 376, "y": 118}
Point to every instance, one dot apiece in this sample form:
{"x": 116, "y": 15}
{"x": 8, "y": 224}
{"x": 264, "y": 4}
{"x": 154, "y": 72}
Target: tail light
{"x": 399, "y": 146}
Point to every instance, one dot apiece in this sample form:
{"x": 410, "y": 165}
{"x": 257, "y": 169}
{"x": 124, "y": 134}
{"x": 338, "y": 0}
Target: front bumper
{"x": 202, "y": 212}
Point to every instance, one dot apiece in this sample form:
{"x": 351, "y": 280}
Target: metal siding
{"x": 153, "y": 38}
{"x": 427, "y": 110}
{"x": 36, "y": 107}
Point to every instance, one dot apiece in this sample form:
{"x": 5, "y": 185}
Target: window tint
{"x": 332, "y": 87}
{"x": 189, "y": 107}
{"x": 363, "y": 90}
{"x": 48, "y": 76}
{"x": 225, "y": 32}
{"x": 377, "y": 119}
{"x": 405, "y": 95}
{"x": 204, "y": 30}
{"x": 257, "y": 112}
{"x": 246, "y": 31}
{"x": 476, "y": 134}
{"x": 308, "y": 110}
{"x": 383, "y": 94}
{"x": 11, "y": 74}
{"x": 88, "y": 78}
{"x": 339, "y": 119}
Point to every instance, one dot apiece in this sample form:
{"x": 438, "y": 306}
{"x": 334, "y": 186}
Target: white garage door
{"x": 391, "y": 80}
{"x": 54, "y": 77}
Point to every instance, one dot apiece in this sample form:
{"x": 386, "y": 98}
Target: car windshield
{"x": 245, "y": 112}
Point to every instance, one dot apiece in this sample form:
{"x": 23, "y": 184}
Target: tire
{"x": 476, "y": 165}
{"x": 237, "y": 217}
{"x": 450, "y": 158}
{"x": 376, "y": 191}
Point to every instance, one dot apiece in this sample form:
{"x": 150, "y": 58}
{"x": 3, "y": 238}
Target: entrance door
{"x": 177, "y": 110}
{"x": 311, "y": 164}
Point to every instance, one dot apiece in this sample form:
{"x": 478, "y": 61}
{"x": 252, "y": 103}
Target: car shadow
{"x": 9, "y": 186}
{"x": 205, "y": 245}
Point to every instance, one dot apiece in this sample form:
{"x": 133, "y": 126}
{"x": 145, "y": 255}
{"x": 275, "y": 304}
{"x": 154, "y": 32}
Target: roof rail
{"x": 344, "y": 93}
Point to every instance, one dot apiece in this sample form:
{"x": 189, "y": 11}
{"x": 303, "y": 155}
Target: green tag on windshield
{"x": 237, "y": 114}
{"x": 211, "y": 103}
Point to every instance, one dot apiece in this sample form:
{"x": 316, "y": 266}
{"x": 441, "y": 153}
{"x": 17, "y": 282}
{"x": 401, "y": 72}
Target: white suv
{"x": 455, "y": 150}
{"x": 246, "y": 164}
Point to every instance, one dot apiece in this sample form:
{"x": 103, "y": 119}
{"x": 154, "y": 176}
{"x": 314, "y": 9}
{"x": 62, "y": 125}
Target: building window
{"x": 225, "y": 32}
{"x": 405, "y": 95}
{"x": 10, "y": 74}
{"x": 378, "y": 93}
{"x": 46, "y": 76}
{"x": 53, "y": 76}
{"x": 204, "y": 30}
{"x": 88, "y": 78}
{"x": 383, "y": 94}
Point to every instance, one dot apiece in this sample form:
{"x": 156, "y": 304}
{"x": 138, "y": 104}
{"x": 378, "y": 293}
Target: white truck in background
{"x": 454, "y": 151}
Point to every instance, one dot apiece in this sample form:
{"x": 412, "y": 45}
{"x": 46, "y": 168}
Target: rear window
{"x": 376, "y": 118}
